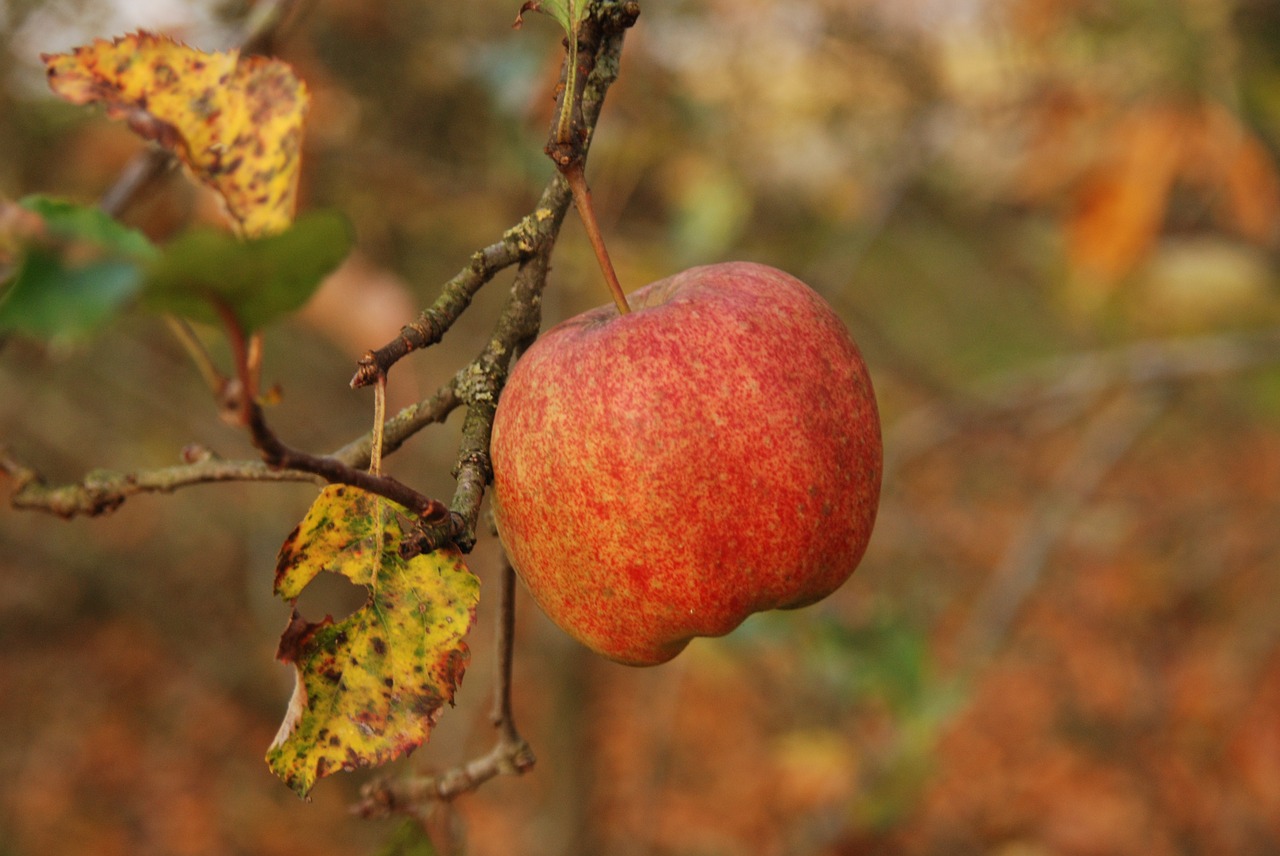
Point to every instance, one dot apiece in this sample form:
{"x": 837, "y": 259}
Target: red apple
{"x": 663, "y": 474}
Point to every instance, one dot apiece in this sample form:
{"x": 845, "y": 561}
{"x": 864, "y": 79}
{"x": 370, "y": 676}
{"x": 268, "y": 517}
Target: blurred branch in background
{"x": 1107, "y": 438}
{"x": 1076, "y": 382}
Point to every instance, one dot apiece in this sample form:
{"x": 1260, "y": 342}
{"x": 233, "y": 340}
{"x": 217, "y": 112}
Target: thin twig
{"x": 476, "y": 385}
{"x": 502, "y": 716}
{"x": 456, "y": 295}
{"x": 102, "y": 491}
{"x": 599, "y": 46}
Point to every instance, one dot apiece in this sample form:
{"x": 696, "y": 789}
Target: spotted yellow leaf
{"x": 370, "y": 687}
{"x": 235, "y": 121}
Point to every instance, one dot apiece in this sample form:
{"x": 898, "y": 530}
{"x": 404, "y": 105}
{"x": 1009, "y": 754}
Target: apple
{"x": 662, "y": 474}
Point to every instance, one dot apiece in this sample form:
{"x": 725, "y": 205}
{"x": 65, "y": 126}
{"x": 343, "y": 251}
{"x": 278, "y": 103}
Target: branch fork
{"x": 527, "y": 247}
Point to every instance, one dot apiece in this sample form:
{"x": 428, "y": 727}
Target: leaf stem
{"x": 102, "y": 492}
{"x": 253, "y": 365}
{"x": 213, "y": 377}
{"x": 375, "y": 468}
{"x": 379, "y": 424}
{"x": 564, "y": 126}
{"x": 238, "y": 399}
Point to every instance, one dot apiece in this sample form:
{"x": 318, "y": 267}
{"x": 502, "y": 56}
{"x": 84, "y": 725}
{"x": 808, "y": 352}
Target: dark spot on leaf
{"x": 289, "y": 540}
{"x": 379, "y": 646}
{"x": 293, "y": 640}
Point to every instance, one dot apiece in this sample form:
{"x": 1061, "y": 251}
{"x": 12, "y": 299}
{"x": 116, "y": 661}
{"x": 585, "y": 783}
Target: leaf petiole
{"x": 209, "y": 371}
{"x": 564, "y": 128}
{"x": 375, "y": 468}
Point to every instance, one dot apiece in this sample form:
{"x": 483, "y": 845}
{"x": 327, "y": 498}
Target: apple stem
{"x": 574, "y": 175}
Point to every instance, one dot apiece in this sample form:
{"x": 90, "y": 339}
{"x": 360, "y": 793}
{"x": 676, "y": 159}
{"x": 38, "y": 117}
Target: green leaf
{"x": 370, "y": 687}
{"x": 71, "y": 221}
{"x": 51, "y": 299}
{"x": 75, "y": 274}
{"x": 258, "y": 279}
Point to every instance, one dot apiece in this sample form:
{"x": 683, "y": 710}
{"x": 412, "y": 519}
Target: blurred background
{"x": 1052, "y": 227}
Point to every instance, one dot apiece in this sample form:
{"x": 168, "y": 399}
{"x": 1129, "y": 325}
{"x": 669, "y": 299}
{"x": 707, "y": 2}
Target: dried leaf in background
{"x": 235, "y": 121}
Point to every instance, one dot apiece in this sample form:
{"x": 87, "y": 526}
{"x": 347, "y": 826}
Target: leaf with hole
{"x": 371, "y": 686}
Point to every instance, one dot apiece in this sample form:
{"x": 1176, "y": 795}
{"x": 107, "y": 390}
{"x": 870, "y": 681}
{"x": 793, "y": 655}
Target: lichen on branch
{"x": 527, "y": 245}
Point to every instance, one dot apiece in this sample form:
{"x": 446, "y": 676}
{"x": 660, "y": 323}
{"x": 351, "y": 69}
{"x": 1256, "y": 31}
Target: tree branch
{"x": 477, "y": 385}
{"x": 517, "y": 244}
{"x": 279, "y": 456}
{"x": 103, "y": 491}
{"x": 600, "y": 43}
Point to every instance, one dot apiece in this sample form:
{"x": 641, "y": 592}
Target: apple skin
{"x": 663, "y": 474}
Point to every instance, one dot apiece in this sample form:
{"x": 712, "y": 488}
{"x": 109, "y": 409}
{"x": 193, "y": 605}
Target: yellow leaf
{"x": 370, "y": 687}
{"x": 235, "y": 121}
